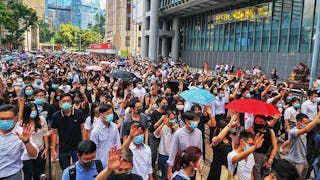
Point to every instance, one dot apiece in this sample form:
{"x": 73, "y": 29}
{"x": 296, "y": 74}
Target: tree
{"x": 19, "y": 19}
{"x": 69, "y": 33}
{"x": 89, "y": 37}
{"x": 99, "y": 25}
{"x": 3, "y": 18}
{"x": 45, "y": 33}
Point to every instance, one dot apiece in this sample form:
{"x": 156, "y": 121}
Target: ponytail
{"x": 184, "y": 157}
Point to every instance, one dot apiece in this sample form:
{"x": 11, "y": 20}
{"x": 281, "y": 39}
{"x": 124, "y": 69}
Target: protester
{"x": 13, "y": 145}
{"x": 68, "y": 123}
{"x": 87, "y": 167}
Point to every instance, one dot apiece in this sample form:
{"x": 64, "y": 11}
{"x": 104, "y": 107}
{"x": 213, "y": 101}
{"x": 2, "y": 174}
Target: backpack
{"x": 73, "y": 171}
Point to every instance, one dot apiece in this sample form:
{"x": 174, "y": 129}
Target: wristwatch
{"x": 26, "y": 142}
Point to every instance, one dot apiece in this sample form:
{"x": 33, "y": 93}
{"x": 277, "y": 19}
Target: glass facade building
{"x": 77, "y": 12}
{"x": 270, "y": 34}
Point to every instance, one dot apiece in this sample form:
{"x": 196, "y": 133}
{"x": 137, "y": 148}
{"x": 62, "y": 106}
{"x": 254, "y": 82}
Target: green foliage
{"x": 124, "y": 52}
{"x": 17, "y": 19}
{"x": 89, "y": 37}
{"x": 69, "y": 33}
{"x": 99, "y": 25}
{"x": 45, "y": 33}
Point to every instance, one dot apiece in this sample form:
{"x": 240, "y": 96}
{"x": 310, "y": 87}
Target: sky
{"x": 103, "y": 4}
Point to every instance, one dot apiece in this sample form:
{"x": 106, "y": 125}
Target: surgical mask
{"x": 200, "y": 87}
{"x": 238, "y": 93}
{"x": 29, "y": 92}
{"x": 54, "y": 86}
{"x": 289, "y": 98}
{"x": 38, "y": 81}
{"x": 247, "y": 147}
{"x": 154, "y": 106}
{"x": 138, "y": 139}
{"x": 180, "y": 107}
{"x": 164, "y": 107}
{"x": 194, "y": 125}
{"x": 251, "y": 89}
{"x": 279, "y": 106}
{"x": 221, "y": 95}
{"x": 115, "y": 88}
{"x": 172, "y": 121}
{"x": 33, "y": 114}
{"x": 66, "y": 106}
{"x": 139, "y": 86}
{"x": 215, "y": 91}
{"x": 6, "y": 125}
{"x": 296, "y": 105}
{"x": 303, "y": 125}
{"x": 248, "y": 95}
{"x": 109, "y": 118}
{"x": 88, "y": 164}
{"x": 39, "y": 101}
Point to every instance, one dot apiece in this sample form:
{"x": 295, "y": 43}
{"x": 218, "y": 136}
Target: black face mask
{"x": 78, "y": 101}
{"x": 123, "y": 176}
{"x": 164, "y": 107}
{"x": 9, "y": 84}
{"x": 87, "y": 165}
{"x": 140, "y": 111}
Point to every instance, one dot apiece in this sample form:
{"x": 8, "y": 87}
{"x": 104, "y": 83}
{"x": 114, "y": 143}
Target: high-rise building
{"x": 123, "y": 25}
{"x": 266, "y": 33}
{"x": 77, "y": 12}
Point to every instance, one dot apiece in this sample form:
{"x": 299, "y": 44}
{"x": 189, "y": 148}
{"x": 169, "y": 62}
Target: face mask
{"x": 6, "y": 125}
{"x": 303, "y": 125}
{"x": 315, "y": 100}
{"x": 88, "y": 164}
{"x": 180, "y": 107}
{"x": 9, "y": 84}
{"x": 251, "y": 89}
{"x": 38, "y": 81}
{"x": 68, "y": 78}
{"x": 54, "y": 86}
{"x": 33, "y": 114}
{"x": 221, "y": 95}
{"x": 66, "y": 106}
{"x": 164, "y": 107}
{"x": 172, "y": 121}
{"x": 297, "y": 105}
{"x": 154, "y": 106}
{"x": 248, "y": 96}
{"x": 193, "y": 125}
{"x": 238, "y": 93}
{"x": 139, "y": 86}
{"x": 115, "y": 88}
{"x": 289, "y": 98}
{"x": 279, "y": 106}
{"x": 138, "y": 139}
{"x": 29, "y": 92}
{"x": 140, "y": 111}
{"x": 39, "y": 101}
{"x": 247, "y": 147}
{"x": 58, "y": 98}
{"x": 168, "y": 94}
{"x": 215, "y": 91}
{"x": 109, "y": 118}
{"x": 200, "y": 87}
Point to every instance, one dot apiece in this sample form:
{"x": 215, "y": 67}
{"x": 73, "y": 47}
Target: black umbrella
{"x": 123, "y": 75}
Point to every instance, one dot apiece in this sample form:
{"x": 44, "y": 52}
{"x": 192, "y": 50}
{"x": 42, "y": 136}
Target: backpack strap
{"x": 72, "y": 172}
{"x": 99, "y": 166}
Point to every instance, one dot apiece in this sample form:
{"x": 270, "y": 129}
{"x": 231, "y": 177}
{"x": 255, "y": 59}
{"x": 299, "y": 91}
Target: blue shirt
{"x": 82, "y": 173}
{"x": 11, "y": 149}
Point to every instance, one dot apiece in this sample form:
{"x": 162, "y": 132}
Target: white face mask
{"x": 180, "y": 107}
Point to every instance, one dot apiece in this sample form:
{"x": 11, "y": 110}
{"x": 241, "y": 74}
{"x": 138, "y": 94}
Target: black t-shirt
{"x": 130, "y": 176}
{"x": 69, "y": 129}
{"x": 154, "y": 117}
{"x": 129, "y": 121}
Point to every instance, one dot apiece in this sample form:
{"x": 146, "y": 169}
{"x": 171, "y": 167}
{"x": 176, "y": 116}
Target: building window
{"x": 139, "y": 41}
{"x": 127, "y": 41}
{"x": 139, "y": 27}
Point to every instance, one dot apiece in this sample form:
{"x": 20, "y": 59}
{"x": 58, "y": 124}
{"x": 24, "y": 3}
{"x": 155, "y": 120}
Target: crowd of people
{"x": 101, "y": 127}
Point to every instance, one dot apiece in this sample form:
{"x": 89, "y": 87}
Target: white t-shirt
{"x": 248, "y": 120}
{"x": 290, "y": 114}
{"x": 96, "y": 122}
{"x": 245, "y": 166}
{"x": 139, "y": 93}
{"x": 165, "y": 136}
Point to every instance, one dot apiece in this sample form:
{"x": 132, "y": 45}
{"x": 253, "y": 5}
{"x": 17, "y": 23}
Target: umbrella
{"x": 200, "y": 96}
{"x": 94, "y": 68}
{"x": 252, "y": 106}
{"x": 124, "y": 75}
{"x": 39, "y": 56}
{"x": 8, "y": 58}
{"x": 105, "y": 62}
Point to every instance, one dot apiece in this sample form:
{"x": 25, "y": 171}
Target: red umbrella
{"x": 252, "y": 106}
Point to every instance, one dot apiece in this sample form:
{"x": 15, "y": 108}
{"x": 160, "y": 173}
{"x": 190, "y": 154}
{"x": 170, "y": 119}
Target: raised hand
{"x": 135, "y": 130}
{"x": 114, "y": 158}
{"x": 26, "y": 133}
{"x": 234, "y": 121}
{"x": 258, "y": 140}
